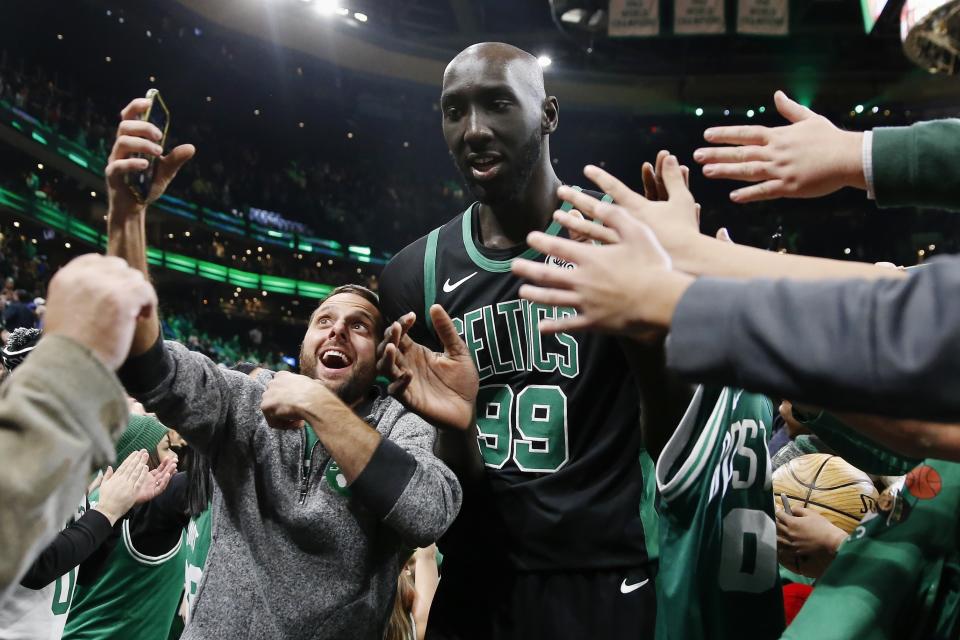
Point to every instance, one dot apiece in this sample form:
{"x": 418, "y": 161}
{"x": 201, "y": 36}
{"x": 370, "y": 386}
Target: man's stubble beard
{"x": 349, "y": 391}
{"x": 514, "y": 185}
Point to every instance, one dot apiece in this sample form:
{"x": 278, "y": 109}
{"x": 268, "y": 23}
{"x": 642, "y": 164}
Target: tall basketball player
{"x": 558, "y": 539}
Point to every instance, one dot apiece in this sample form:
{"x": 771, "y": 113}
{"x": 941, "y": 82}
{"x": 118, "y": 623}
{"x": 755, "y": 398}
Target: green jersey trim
{"x": 499, "y": 266}
{"x": 151, "y": 561}
{"x": 672, "y": 488}
{"x": 430, "y": 276}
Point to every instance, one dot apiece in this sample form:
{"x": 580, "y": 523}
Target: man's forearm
{"x": 706, "y": 256}
{"x": 350, "y": 440}
{"x": 127, "y": 239}
{"x": 914, "y": 438}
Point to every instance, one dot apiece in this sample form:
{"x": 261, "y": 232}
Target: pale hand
{"x": 808, "y": 539}
{"x": 158, "y": 479}
{"x": 139, "y": 136}
{"x": 96, "y": 300}
{"x": 805, "y": 159}
{"x": 440, "y": 387}
{"x": 287, "y": 397}
{"x": 119, "y": 489}
{"x": 624, "y": 285}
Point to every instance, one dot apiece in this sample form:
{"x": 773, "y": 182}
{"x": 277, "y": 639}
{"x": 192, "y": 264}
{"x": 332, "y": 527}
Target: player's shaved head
{"x": 519, "y": 67}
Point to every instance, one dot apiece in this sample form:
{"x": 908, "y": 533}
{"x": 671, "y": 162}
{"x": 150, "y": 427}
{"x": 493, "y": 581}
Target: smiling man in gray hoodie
{"x": 325, "y": 486}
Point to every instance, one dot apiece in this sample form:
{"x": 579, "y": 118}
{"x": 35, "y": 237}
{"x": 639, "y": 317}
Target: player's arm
{"x": 126, "y": 218}
{"x": 439, "y": 386}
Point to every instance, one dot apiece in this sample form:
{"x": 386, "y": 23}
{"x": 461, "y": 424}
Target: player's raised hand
{"x": 625, "y": 286}
{"x": 139, "y": 136}
{"x": 119, "y": 489}
{"x": 807, "y": 158}
{"x": 807, "y": 541}
{"x": 441, "y": 387}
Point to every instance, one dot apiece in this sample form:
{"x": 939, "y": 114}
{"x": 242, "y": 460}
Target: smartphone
{"x": 786, "y": 504}
{"x": 159, "y": 116}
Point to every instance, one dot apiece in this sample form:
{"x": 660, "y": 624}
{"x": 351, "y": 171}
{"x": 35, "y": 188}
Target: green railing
{"x": 49, "y": 215}
{"x": 238, "y": 225}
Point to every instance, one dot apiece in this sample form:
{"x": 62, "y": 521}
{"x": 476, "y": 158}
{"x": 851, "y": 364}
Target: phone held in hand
{"x": 158, "y": 115}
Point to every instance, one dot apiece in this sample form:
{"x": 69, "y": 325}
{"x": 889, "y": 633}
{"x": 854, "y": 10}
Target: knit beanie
{"x": 142, "y": 432}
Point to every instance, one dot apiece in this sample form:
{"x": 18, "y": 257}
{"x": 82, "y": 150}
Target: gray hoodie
{"x": 292, "y": 555}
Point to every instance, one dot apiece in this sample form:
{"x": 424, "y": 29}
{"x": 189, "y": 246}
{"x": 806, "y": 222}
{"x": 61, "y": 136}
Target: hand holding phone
{"x": 158, "y": 115}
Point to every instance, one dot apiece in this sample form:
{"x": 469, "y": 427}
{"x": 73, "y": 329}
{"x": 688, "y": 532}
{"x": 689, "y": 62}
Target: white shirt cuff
{"x": 867, "y": 159}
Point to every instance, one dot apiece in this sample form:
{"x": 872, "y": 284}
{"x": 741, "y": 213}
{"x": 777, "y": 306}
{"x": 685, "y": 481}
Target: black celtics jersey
{"x": 557, "y": 415}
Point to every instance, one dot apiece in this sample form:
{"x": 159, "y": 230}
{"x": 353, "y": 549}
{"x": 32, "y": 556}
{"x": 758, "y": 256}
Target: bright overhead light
{"x": 544, "y": 61}
{"x": 858, "y": 108}
{"x": 749, "y": 113}
{"x": 574, "y": 16}
{"x": 699, "y": 111}
{"x": 343, "y": 11}
{"x": 325, "y": 7}
{"x": 360, "y": 17}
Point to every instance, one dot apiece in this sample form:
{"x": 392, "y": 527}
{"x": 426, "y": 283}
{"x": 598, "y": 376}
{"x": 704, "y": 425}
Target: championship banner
{"x": 698, "y": 17}
{"x": 763, "y": 17}
{"x": 634, "y": 18}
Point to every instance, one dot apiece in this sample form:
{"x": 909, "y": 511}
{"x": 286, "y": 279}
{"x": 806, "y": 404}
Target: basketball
{"x": 829, "y": 485}
{"x": 924, "y": 482}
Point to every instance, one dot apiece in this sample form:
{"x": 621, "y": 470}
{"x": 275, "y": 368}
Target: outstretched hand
{"x": 119, "y": 489}
{"x": 624, "y": 285}
{"x": 441, "y": 387}
{"x": 807, "y": 158}
{"x": 157, "y": 480}
{"x": 139, "y": 136}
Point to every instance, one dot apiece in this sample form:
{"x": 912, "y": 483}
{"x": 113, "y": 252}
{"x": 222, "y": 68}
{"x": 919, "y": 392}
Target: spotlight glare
{"x": 544, "y": 61}
{"x": 360, "y": 17}
{"x": 875, "y": 109}
{"x": 762, "y": 109}
{"x": 699, "y": 111}
{"x": 726, "y": 112}
{"x": 846, "y": 251}
{"x": 858, "y": 108}
{"x": 325, "y": 7}
{"x": 749, "y": 113}
{"x": 343, "y": 11}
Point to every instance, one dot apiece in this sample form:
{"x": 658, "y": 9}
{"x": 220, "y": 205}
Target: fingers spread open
{"x": 620, "y": 192}
{"x": 743, "y": 134}
{"x": 583, "y": 202}
{"x": 446, "y": 331}
{"x": 585, "y": 228}
{"x": 542, "y": 274}
{"x": 713, "y": 155}
{"x": 753, "y": 171}
{"x": 553, "y": 297}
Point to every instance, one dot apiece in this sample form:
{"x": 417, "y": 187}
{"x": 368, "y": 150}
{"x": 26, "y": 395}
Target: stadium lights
{"x": 325, "y": 7}
{"x": 875, "y": 109}
{"x": 544, "y": 61}
{"x": 858, "y": 108}
{"x": 749, "y": 113}
{"x": 40, "y": 166}
{"x": 360, "y": 17}
{"x": 761, "y": 109}
{"x": 699, "y": 111}
{"x": 726, "y": 112}
{"x": 846, "y": 251}
{"x": 59, "y": 36}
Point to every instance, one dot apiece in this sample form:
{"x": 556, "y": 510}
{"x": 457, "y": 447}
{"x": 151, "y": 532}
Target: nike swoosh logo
{"x": 447, "y": 287}
{"x": 630, "y": 588}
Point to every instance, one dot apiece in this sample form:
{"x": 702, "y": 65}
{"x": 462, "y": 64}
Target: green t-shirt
{"x": 196, "y": 548}
{"x": 897, "y": 576}
{"x": 718, "y": 542}
{"x": 136, "y": 596}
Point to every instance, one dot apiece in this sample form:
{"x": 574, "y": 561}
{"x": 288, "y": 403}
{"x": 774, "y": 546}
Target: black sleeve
{"x": 146, "y": 371}
{"x": 155, "y": 527}
{"x": 69, "y": 549}
{"x": 401, "y": 288}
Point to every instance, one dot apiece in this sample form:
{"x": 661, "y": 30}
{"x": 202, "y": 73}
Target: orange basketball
{"x": 924, "y": 482}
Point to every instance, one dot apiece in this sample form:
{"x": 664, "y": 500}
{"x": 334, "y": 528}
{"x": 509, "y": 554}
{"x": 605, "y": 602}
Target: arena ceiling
{"x": 827, "y": 52}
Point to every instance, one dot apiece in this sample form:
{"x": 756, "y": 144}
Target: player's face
{"x": 340, "y": 346}
{"x": 492, "y": 125}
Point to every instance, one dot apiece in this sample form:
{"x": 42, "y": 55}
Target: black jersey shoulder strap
{"x": 430, "y": 277}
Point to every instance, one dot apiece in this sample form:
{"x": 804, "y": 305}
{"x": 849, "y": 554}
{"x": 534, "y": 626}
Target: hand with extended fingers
{"x": 139, "y": 136}
{"x": 441, "y": 387}
{"x": 624, "y": 285}
{"x": 807, "y": 158}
